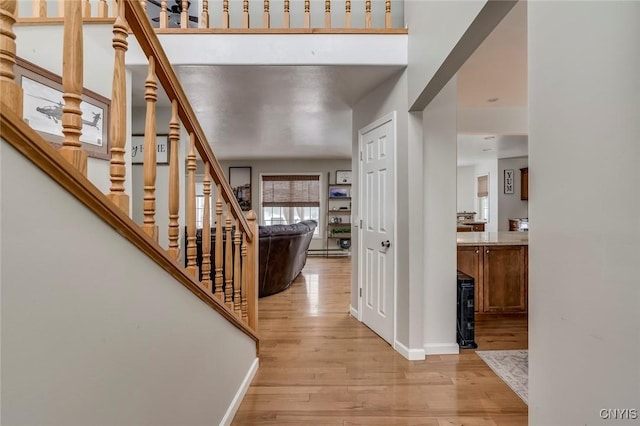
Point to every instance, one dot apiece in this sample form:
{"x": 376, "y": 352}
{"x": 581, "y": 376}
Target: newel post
{"x": 252, "y": 271}
{"x": 10, "y": 92}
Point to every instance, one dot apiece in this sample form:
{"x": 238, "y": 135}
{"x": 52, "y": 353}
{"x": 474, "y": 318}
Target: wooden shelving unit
{"x": 338, "y": 229}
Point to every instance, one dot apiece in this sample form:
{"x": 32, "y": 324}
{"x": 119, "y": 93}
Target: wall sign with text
{"x": 508, "y": 181}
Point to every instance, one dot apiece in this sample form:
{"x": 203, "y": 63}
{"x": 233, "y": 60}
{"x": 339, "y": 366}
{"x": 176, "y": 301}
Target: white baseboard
{"x": 441, "y": 349}
{"x": 354, "y": 312}
{"x": 237, "y": 400}
{"x": 410, "y": 354}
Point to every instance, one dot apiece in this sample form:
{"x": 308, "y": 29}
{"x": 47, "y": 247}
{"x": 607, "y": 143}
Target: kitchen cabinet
{"x": 500, "y": 274}
{"x": 469, "y": 263}
{"x": 504, "y": 279}
{"x": 524, "y": 183}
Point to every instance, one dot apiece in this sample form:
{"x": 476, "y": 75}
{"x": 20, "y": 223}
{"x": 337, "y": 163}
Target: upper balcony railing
{"x": 242, "y": 16}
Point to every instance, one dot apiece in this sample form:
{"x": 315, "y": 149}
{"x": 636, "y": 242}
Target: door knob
{"x": 386, "y": 244}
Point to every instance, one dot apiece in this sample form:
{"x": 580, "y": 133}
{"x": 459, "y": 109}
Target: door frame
{"x": 392, "y": 116}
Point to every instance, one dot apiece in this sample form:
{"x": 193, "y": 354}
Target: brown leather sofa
{"x": 282, "y": 254}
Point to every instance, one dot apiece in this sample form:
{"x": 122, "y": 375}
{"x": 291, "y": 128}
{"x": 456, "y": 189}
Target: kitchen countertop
{"x": 493, "y": 238}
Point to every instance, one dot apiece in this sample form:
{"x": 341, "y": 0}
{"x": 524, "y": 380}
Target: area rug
{"x": 512, "y": 367}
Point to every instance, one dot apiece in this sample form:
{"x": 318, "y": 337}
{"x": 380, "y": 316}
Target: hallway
{"x": 319, "y": 365}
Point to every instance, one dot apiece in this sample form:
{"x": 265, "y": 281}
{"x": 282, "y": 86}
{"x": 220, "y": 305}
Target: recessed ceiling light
{"x": 493, "y": 100}
{"x": 488, "y": 138}
{"x": 486, "y": 149}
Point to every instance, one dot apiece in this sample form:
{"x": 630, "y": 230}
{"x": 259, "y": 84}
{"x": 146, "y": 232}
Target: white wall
{"x": 440, "y": 151}
{"x": 93, "y": 331}
{"x": 98, "y": 76}
{"x": 434, "y": 29}
{"x": 322, "y": 167}
{"x": 466, "y": 186}
{"x": 510, "y": 206}
{"x": 392, "y": 96}
{"x": 584, "y": 101}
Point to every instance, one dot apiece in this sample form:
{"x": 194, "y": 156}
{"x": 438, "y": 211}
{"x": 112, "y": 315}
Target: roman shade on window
{"x": 291, "y": 191}
{"x": 483, "y": 186}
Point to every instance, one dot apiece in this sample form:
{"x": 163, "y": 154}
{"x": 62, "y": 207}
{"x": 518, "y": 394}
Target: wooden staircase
{"x": 233, "y": 295}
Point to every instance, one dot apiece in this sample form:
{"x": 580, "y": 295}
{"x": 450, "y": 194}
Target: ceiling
{"x": 495, "y": 76}
{"x": 252, "y": 112}
{"x": 279, "y": 111}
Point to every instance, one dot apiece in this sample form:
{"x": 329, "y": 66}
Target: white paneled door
{"x": 377, "y": 207}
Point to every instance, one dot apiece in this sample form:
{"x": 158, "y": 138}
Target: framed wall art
{"x": 240, "y": 181}
{"x": 508, "y": 181}
{"x": 42, "y": 109}
{"x": 343, "y": 176}
{"x": 162, "y": 149}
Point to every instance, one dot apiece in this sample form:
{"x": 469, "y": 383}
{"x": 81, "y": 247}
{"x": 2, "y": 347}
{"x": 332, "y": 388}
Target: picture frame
{"x": 339, "y": 192}
{"x": 42, "y": 109}
{"x": 162, "y": 149}
{"x": 508, "y": 181}
{"x": 240, "y": 181}
{"x": 343, "y": 176}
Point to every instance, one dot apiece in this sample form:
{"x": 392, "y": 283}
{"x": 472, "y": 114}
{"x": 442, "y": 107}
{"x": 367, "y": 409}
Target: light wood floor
{"x": 318, "y": 365}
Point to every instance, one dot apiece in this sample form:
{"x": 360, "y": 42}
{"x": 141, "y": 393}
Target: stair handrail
{"x": 150, "y": 44}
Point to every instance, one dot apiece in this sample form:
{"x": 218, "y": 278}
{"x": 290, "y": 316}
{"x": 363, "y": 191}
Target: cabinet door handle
{"x": 477, "y": 251}
{"x": 487, "y": 251}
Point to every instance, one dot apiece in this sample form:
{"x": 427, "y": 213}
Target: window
{"x": 288, "y": 199}
{"x": 483, "y": 198}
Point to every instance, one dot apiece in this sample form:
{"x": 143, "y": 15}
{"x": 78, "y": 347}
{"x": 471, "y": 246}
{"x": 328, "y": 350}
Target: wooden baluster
{"x": 218, "y": 250}
{"x": 225, "y": 14}
{"x": 10, "y": 92}
{"x": 204, "y": 18}
{"x": 307, "y": 13}
{"x": 72, "y": 66}
{"x": 237, "y": 301}
{"x": 61, "y": 11}
{"x": 327, "y": 13}
{"x": 192, "y": 267}
{"x": 244, "y": 268}
{"x": 118, "y": 121}
{"x": 39, "y": 8}
{"x": 367, "y": 14}
{"x": 287, "y": 17}
{"x": 205, "y": 268}
{"x": 103, "y": 9}
{"x": 174, "y": 183}
{"x": 184, "y": 14}
{"x": 164, "y": 17}
{"x": 86, "y": 9}
{"x": 387, "y": 14}
{"x": 150, "y": 163}
{"x": 245, "y": 13}
{"x": 228, "y": 262}
{"x": 114, "y": 6}
{"x": 252, "y": 271}
{"x": 347, "y": 11}
{"x": 266, "y": 20}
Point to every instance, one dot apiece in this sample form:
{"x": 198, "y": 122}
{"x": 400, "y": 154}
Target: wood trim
{"x": 372, "y": 31}
{"x": 60, "y": 21}
{"x": 30, "y": 144}
{"x": 150, "y": 45}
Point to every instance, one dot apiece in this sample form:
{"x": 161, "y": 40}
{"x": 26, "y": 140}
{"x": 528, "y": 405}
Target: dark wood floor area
{"x": 320, "y": 366}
